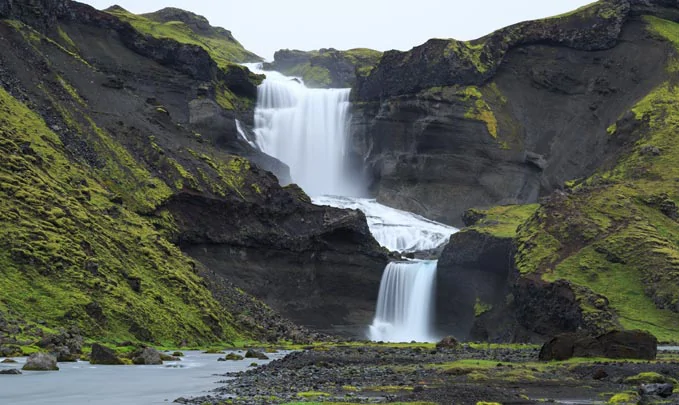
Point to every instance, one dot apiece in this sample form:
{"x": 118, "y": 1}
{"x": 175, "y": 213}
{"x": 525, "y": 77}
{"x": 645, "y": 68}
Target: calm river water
{"x": 81, "y": 383}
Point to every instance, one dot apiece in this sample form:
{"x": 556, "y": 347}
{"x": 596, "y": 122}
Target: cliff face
{"x": 120, "y": 148}
{"x": 595, "y": 129}
{"x": 326, "y": 68}
{"x": 493, "y": 121}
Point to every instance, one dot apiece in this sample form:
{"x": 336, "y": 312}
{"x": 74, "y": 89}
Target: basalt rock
{"x": 103, "y": 355}
{"x": 614, "y": 344}
{"x": 453, "y": 125}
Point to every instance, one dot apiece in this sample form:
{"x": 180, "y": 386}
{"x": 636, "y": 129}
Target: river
{"x": 84, "y": 384}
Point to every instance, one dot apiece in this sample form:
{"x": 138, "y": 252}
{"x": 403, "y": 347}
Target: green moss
{"x": 222, "y": 48}
{"x": 503, "y": 221}
{"x": 69, "y": 250}
{"x": 468, "y": 51}
{"x": 312, "y": 394}
{"x": 649, "y": 378}
{"x": 481, "y": 308}
{"x": 624, "y": 398}
{"x": 613, "y": 234}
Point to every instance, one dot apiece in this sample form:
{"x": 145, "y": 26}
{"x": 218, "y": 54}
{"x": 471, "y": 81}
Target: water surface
{"x": 82, "y": 383}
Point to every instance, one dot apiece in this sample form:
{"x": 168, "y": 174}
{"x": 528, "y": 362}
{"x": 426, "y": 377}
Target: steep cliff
{"x": 509, "y": 117}
{"x": 600, "y": 251}
{"x": 118, "y": 149}
{"x": 325, "y": 68}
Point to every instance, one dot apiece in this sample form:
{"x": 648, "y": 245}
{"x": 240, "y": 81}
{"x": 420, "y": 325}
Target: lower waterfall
{"x": 405, "y": 305}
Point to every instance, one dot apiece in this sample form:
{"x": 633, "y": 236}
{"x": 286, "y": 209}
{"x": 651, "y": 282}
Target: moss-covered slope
{"x": 605, "y": 250}
{"x": 616, "y": 233}
{"x": 189, "y": 28}
{"x": 326, "y": 68}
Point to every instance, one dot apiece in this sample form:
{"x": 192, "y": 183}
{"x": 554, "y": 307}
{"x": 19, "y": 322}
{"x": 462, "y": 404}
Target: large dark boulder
{"x": 66, "y": 345}
{"x": 614, "y": 344}
{"x": 103, "y": 355}
{"x": 41, "y": 362}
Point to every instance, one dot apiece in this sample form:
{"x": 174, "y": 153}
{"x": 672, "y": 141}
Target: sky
{"x": 265, "y": 26}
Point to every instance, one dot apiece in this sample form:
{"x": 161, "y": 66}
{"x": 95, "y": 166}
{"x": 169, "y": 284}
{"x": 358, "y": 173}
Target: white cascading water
{"x": 397, "y": 230}
{"x": 307, "y": 129}
{"x": 405, "y": 304}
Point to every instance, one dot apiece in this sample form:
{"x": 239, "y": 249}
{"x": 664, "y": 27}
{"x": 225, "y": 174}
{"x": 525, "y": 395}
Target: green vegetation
{"x": 72, "y": 255}
{"x": 624, "y": 398}
{"x": 616, "y": 233}
{"x": 223, "y": 48}
{"x": 481, "y": 307}
{"x": 502, "y": 221}
{"x": 314, "y": 67}
{"x": 649, "y": 378}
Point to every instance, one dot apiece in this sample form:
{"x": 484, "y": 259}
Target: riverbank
{"x": 414, "y": 373}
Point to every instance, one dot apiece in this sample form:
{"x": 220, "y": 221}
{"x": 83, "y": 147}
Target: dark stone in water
{"x": 614, "y": 345}
{"x": 10, "y": 372}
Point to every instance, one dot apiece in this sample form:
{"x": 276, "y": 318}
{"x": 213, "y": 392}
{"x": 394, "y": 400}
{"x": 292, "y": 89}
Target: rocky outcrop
{"x": 451, "y": 125}
{"x": 66, "y": 345}
{"x": 103, "y": 355}
{"x": 614, "y": 345}
{"x": 42, "y": 14}
{"x": 41, "y": 362}
{"x": 326, "y": 68}
{"x": 147, "y": 356}
{"x": 319, "y": 266}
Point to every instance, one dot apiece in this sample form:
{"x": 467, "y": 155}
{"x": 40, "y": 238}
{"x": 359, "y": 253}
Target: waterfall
{"x": 405, "y": 304}
{"x": 306, "y": 129}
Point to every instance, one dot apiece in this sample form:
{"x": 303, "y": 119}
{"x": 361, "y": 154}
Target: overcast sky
{"x": 264, "y": 26}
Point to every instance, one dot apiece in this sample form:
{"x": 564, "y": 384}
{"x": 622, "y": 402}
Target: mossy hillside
{"x": 616, "y": 233}
{"x": 224, "y": 49}
{"x": 319, "y": 68}
{"x": 452, "y": 62}
{"x": 502, "y": 221}
{"x": 71, "y": 254}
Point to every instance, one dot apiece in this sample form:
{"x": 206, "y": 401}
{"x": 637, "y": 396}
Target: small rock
{"x": 178, "y": 354}
{"x": 661, "y": 390}
{"x": 649, "y": 150}
{"x": 12, "y": 371}
{"x": 418, "y": 388}
{"x": 8, "y": 361}
{"x": 448, "y": 342}
{"x": 255, "y": 354}
{"x": 233, "y": 357}
{"x": 599, "y": 374}
{"x": 41, "y": 362}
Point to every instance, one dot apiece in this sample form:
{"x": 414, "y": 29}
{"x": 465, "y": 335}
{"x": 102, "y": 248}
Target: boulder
{"x": 448, "y": 342}
{"x": 233, "y": 357}
{"x": 614, "y": 344}
{"x": 12, "y": 371}
{"x": 104, "y": 355}
{"x": 256, "y": 355}
{"x": 41, "y": 362}
{"x": 6, "y": 361}
{"x": 66, "y": 345}
{"x": 660, "y": 390}
{"x": 147, "y": 356}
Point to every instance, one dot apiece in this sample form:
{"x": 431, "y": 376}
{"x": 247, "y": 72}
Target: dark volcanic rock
{"x": 661, "y": 390}
{"x": 66, "y": 345}
{"x": 449, "y": 125}
{"x": 474, "y": 268}
{"x": 103, "y": 355}
{"x": 42, "y": 14}
{"x": 615, "y": 345}
{"x": 318, "y": 266}
{"x": 10, "y": 372}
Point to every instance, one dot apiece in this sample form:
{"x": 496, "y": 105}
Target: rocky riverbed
{"x": 466, "y": 374}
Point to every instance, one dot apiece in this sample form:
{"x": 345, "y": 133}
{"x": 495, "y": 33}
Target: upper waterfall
{"x": 306, "y": 129}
